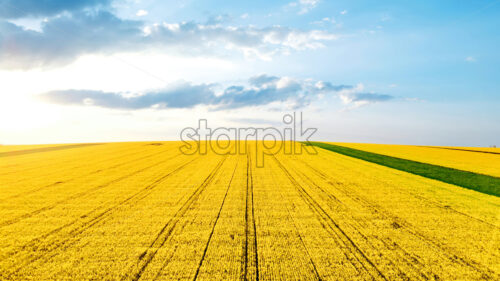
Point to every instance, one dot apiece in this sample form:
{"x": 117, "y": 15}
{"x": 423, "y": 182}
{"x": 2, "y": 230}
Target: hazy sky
{"x": 414, "y": 72}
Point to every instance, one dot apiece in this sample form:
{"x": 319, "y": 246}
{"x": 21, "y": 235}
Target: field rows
{"x": 144, "y": 211}
{"x": 478, "y": 160}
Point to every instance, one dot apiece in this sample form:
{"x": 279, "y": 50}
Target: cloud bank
{"x": 64, "y": 38}
{"x": 260, "y": 91}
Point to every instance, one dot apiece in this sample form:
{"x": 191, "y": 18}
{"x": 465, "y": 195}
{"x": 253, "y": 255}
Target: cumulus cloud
{"x": 66, "y": 37}
{"x": 249, "y": 40}
{"x": 304, "y": 5}
{"x": 470, "y": 59}
{"x": 259, "y": 91}
{"x": 355, "y": 97}
{"x": 181, "y": 95}
{"x": 12, "y": 9}
{"x": 324, "y": 21}
{"x": 141, "y": 13}
{"x": 359, "y": 99}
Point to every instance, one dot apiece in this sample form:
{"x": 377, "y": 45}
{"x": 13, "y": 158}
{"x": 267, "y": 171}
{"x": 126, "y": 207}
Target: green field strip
{"x": 478, "y": 182}
{"x": 45, "y": 149}
{"x": 461, "y": 149}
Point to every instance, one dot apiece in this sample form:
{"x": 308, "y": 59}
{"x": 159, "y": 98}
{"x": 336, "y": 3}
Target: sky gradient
{"x": 406, "y": 72}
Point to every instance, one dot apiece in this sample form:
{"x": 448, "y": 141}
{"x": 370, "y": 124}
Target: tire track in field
{"x": 41, "y": 165}
{"x": 297, "y": 230}
{"x": 51, "y": 246}
{"x": 164, "y": 234}
{"x": 80, "y": 194}
{"x": 461, "y": 149}
{"x": 425, "y": 200}
{"x": 213, "y": 226}
{"x": 112, "y": 160}
{"x": 378, "y": 211}
{"x": 168, "y": 259}
{"x": 408, "y": 227}
{"x": 461, "y": 178}
{"x": 354, "y": 260}
{"x": 181, "y": 227}
{"x": 403, "y": 255}
{"x": 62, "y": 164}
{"x": 335, "y": 229}
{"x": 88, "y": 174}
{"x": 71, "y": 161}
{"x": 250, "y": 258}
{"x": 418, "y": 178}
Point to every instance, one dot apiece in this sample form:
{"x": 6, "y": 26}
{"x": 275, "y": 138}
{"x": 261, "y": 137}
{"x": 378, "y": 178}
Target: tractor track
{"x": 63, "y": 164}
{"x": 427, "y": 201}
{"x": 214, "y": 225}
{"x": 162, "y": 215}
{"x": 73, "y": 235}
{"x": 461, "y": 149}
{"x": 334, "y": 228}
{"x": 334, "y": 204}
{"x": 299, "y": 235}
{"x": 86, "y": 175}
{"x": 80, "y": 194}
{"x": 405, "y": 226}
{"x": 250, "y": 260}
{"x": 164, "y": 234}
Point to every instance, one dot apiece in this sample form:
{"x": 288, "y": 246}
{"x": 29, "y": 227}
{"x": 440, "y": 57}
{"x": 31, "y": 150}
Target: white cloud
{"x": 344, "y": 12}
{"x": 355, "y": 97}
{"x": 470, "y": 59}
{"x": 63, "y": 39}
{"x": 325, "y": 20}
{"x": 261, "y": 90}
{"x": 244, "y": 16}
{"x": 385, "y": 18}
{"x": 141, "y": 13}
{"x": 304, "y": 6}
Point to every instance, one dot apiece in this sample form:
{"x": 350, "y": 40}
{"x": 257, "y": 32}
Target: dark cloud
{"x": 263, "y": 90}
{"x": 12, "y": 9}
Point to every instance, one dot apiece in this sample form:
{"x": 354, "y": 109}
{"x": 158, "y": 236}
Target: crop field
{"x": 146, "y": 211}
{"x": 479, "y": 160}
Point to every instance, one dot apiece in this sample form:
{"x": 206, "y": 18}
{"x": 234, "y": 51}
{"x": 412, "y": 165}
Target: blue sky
{"x": 414, "y": 72}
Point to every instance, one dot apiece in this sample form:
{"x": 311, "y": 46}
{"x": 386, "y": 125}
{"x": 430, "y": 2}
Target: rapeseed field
{"x": 479, "y": 160}
{"x": 147, "y": 211}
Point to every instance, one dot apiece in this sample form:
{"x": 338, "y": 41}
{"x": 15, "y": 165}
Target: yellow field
{"x": 475, "y": 161}
{"x": 145, "y": 211}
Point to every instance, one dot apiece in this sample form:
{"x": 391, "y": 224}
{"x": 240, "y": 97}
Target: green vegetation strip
{"x": 44, "y": 149}
{"x": 460, "y": 149}
{"x": 479, "y": 182}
